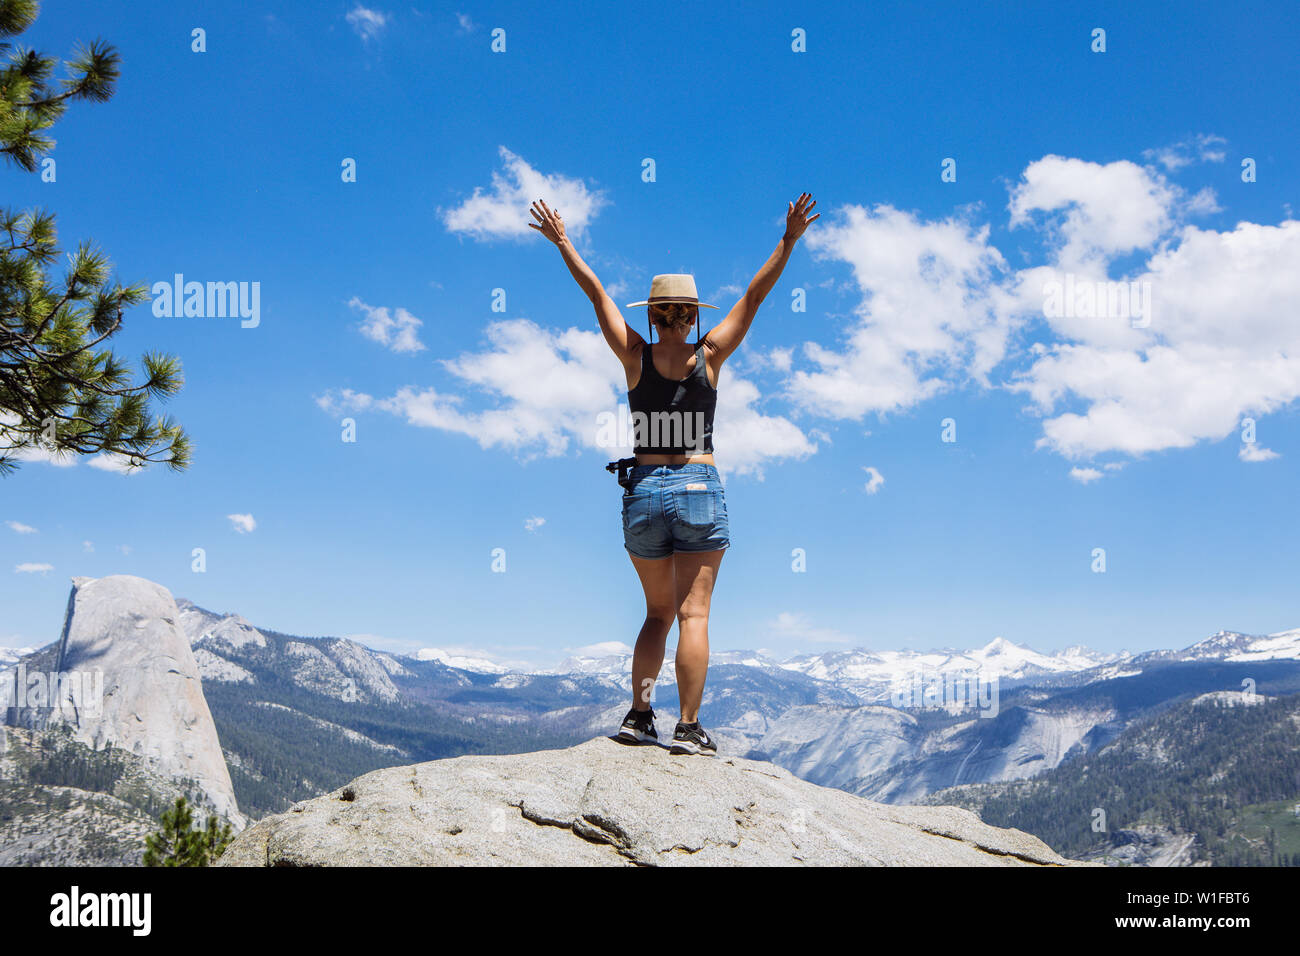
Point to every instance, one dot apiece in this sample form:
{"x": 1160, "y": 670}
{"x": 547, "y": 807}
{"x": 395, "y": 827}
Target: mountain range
{"x": 297, "y": 716}
{"x": 1212, "y": 780}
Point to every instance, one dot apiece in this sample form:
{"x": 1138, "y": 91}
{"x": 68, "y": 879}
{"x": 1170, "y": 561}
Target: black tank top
{"x": 676, "y": 418}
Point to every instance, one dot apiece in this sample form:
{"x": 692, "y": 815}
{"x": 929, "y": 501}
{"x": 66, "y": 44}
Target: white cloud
{"x": 367, "y": 23}
{"x": 874, "y": 480}
{"x": 244, "y": 524}
{"x": 88, "y": 547}
{"x": 124, "y": 548}
{"x": 745, "y": 437}
{"x": 1204, "y": 203}
{"x": 1085, "y": 475}
{"x": 32, "y": 568}
{"x": 32, "y": 454}
{"x": 1250, "y": 451}
{"x": 552, "y": 389}
{"x": 1204, "y": 147}
{"x": 723, "y": 295}
{"x": 464, "y": 23}
{"x": 799, "y": 627}
{"x": 1222, "y": 345}
{"x": 62, "y": 459}
{"x": 397, "y": 330}
{"x": 1101, "y": 210}
{"x": 502, "y": 212}
{"x": 341, "y": 400}
{"x": 939, "y": 306}
{"x": 106, "y": 461}
{"x": 532, "y": 524}
{"x": 925, "y": 321}
{"x": 549, "y": 389}
{"x": 780, "y": 359}
{"x": 601, "y": 649}
{"x": 1211, "y": 153}
{"x": 111, "y": 461}
{"x": 20, "y": 528}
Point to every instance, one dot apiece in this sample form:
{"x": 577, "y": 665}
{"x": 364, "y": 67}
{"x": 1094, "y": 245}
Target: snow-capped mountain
{"x": 613, "y": 666}
{"x": 464, "y": 662}
{"x": 10, "y": 655}
{"x": 1232, "y": 646}
{"x": 872, "y": 674}
{"x": 618, "y": 667}
{"x": 746, "y": 659}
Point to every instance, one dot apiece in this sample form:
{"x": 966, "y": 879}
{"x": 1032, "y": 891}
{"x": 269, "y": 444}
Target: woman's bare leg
{"x": 696, "y": 572}
{"x": 660, "y": 602}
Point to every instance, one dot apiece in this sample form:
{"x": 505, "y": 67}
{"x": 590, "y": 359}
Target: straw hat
{"x": 673, "y": 287}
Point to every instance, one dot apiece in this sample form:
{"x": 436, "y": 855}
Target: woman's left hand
{"x": 796, "y": 220}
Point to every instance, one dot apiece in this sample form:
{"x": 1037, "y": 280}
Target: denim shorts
{"x": 669, "y": 508}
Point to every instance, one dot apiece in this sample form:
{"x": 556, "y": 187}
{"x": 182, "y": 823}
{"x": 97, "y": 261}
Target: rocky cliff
{"x": 603, "y": 803}
{"x": 127, "y": 677}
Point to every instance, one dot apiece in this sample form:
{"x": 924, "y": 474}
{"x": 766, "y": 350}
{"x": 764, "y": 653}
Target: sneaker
{"x": 692, "y": 739}
{"x": 639, "y": 727}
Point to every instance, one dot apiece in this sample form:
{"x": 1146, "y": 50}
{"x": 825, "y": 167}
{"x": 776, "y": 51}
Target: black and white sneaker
{"x": 692, "y": 739}
{"x": 639, "y": 727}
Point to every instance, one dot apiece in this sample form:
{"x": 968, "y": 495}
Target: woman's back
{"x": 672, "y": 417}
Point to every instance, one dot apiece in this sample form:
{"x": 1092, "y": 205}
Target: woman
{"x": 674, "y": 511}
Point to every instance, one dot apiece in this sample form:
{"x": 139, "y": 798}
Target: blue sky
{"x": 924, "y": 302}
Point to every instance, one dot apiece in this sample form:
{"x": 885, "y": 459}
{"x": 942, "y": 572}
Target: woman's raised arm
{"x": 727, "y": 335}
{"x": 620, "y": 336}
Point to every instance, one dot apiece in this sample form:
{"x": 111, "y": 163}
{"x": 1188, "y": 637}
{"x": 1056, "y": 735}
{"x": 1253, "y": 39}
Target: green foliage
{"x": 1229, "y": 775}
{"x": 61, "y": 761}
{"x": 59, "y": 390}
{"x": 180, "y": 843}
{"x": 285, "y": 743}
{"x": 101, "y": 800}
{"x": 285, "y": 754}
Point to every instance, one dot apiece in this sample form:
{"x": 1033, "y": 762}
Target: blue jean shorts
{"x": 669, "y": 508}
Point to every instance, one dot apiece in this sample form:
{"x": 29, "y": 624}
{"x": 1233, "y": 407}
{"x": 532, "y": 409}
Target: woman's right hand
{"x": 551, "y": 225}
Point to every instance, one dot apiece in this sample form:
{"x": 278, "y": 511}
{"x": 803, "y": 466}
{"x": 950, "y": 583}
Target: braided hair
{"x": 670, "y": 312}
